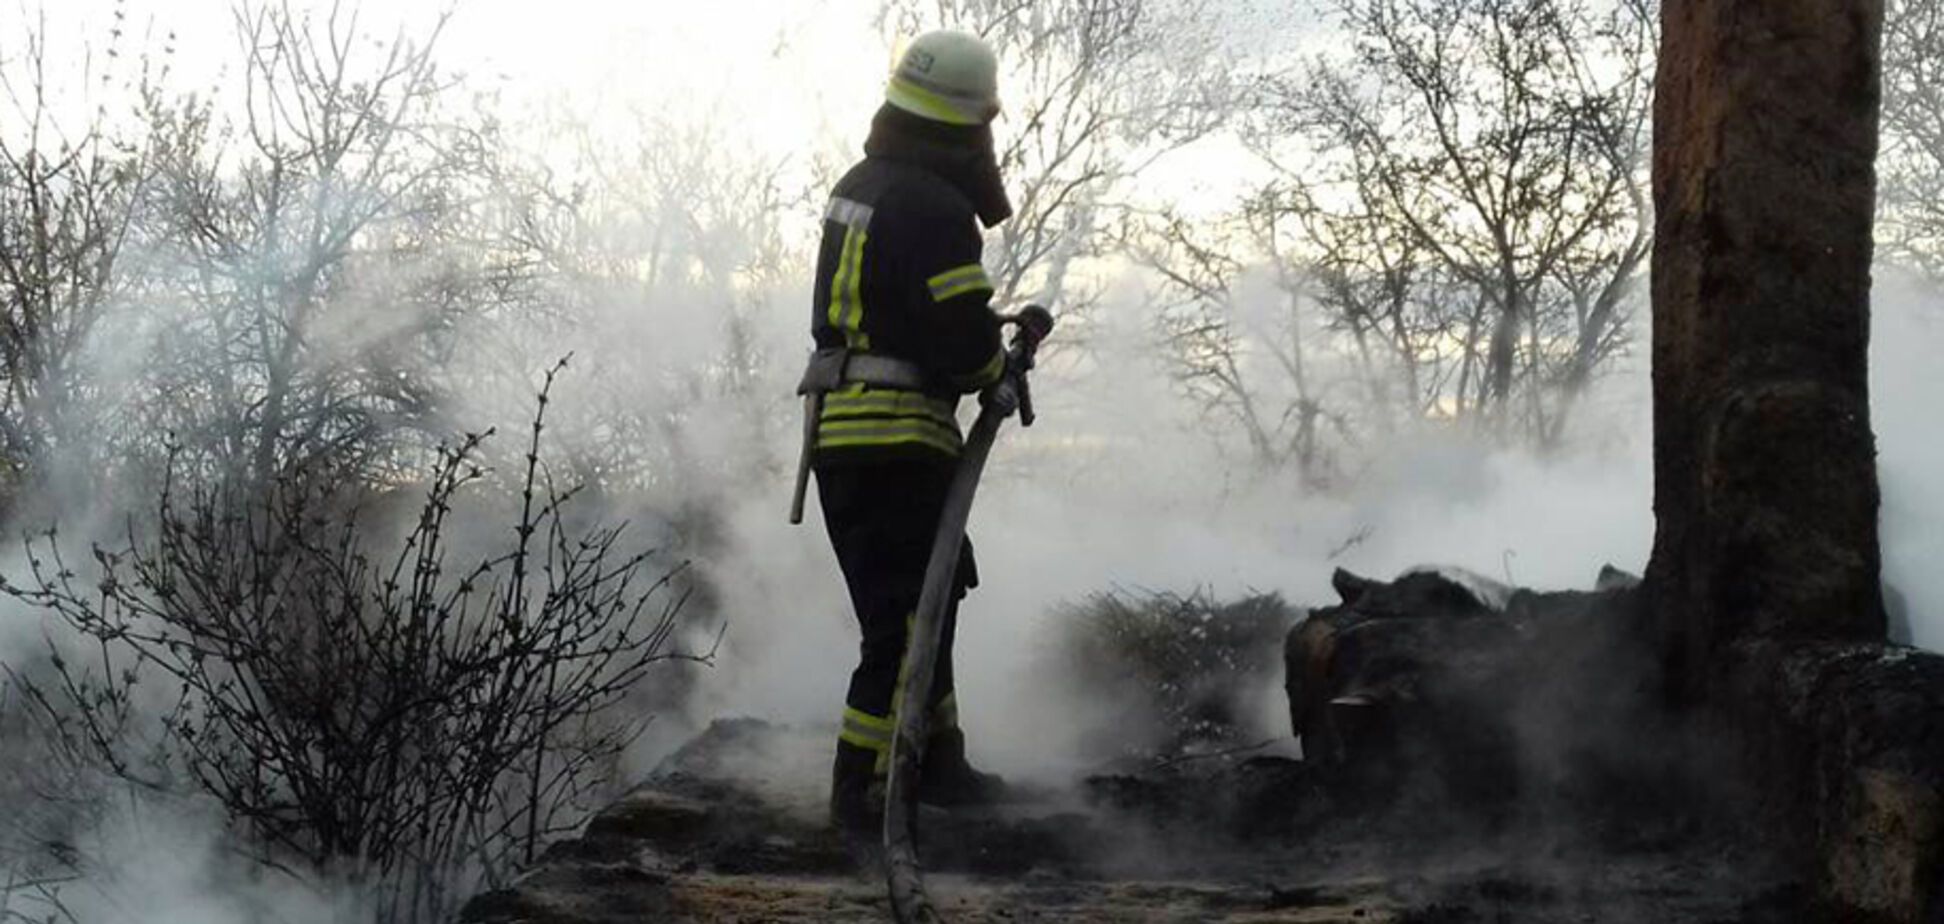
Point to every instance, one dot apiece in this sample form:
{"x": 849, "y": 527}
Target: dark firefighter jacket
{"x": 899, "y": 275}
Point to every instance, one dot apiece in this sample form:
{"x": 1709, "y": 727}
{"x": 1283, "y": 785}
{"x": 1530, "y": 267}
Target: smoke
{"x": 1119, "y": 486}
{"x": 171, "y": 863}
{"x": 1161, "y": 508}
{"x": 1906, "y": 386}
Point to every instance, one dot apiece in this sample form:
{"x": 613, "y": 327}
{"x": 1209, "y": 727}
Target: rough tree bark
{"x": 1765, "y": 466}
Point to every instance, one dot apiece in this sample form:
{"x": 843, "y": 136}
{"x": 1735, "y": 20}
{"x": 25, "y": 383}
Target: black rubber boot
{"x": 856, "y": 793}
{"x": 948, "y": 780}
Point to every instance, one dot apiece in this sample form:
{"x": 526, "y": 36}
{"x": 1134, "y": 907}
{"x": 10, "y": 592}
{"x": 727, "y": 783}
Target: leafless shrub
{"x": 1184, "y": 669}
{"x": 32, "y": 899}
{"x": 394, "y": 721}
{"x": 46, "y": 793}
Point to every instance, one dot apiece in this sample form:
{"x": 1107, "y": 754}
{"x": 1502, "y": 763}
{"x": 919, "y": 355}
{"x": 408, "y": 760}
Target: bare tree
{"x": 69, "y": 198}
{"x": 1244, "y": 356}
{"x": 1502, "y": 139}
{"x": 324, "y": 261}
{"x": 1384, "y": 292}
{"x": 655, "y": 256}
{"x": 1910, "y": 168}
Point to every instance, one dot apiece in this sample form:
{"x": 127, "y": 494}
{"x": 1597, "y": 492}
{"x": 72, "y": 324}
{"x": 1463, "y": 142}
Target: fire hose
{"x": 909, "y": 903}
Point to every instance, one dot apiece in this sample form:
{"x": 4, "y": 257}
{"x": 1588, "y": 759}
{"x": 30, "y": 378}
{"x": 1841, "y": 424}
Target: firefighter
{"x": 903, "y": 329}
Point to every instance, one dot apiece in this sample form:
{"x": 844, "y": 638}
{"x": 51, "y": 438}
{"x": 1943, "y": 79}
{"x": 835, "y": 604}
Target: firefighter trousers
{"x": 882, "y": 518}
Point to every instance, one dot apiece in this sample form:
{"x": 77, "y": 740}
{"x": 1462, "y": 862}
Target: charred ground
{"x": 1531, "y": 778}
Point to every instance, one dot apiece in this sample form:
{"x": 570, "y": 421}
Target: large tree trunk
{"x": 1764, "y": 186}
{"x": 1765, "y": 561}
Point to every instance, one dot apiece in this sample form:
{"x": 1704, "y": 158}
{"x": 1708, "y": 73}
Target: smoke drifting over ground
{"x": 1906, "y": 386}
{"x": 1159, "y": 513}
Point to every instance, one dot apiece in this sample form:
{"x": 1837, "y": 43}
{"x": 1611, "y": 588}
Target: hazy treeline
{"x": 1445, "y": 222}
{"x": 252, "y": 344}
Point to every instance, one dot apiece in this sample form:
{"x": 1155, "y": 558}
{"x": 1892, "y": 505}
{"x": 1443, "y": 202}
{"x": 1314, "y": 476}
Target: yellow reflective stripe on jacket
{"x": 862, "y": 415}
{"x": 838, "y": 434}
{"x": 987, "y": 374}
{"x": 846, "y": 311}
{"x": 866, "y": 730}
{"x": 958, "y": 281}
{"x": 895, "y": 405}
{"x": 849, "y": 213}
{"x": 859, "y": 400}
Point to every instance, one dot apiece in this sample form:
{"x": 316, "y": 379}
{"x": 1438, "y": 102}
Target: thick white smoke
{"x": 1906, "y": 387}
{"x": 1164, "y": 512}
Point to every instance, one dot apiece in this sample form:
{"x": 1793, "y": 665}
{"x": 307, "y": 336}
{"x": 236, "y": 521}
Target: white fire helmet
{"x": 947, "y": 76}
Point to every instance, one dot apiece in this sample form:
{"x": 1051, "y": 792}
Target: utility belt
{"x": 833, "y": 368}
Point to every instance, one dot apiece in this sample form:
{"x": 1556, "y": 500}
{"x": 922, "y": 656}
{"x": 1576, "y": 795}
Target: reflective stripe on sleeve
{"x": 849, "y": 213}
{"x": 958, "y": 281}
{"x": 846, "y": 311}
